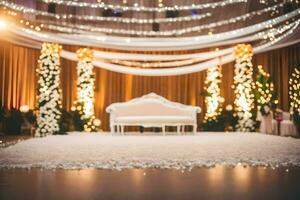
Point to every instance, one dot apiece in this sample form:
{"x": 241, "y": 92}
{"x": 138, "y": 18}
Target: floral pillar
{"x": 294, "y": 92}
{"x": 213, "y": 99}
{"x": 85, "y": 88}
{"x": 264, "y": 92}
{"x": 243, "y": 85}
{"x": 49, "y": 92}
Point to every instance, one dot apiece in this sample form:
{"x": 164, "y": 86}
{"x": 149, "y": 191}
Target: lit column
{"x": 294, "y": 92}
{"x": 49, "y": 92}
{"x": 264, "y": 92}
{"x": 85, "y": 88}
{"x": 213, "y": 99}
{"x": 243, "y": 85}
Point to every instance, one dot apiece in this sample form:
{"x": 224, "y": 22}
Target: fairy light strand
{"x": 24, "y": 9}
{"x": 232, "y": 20}
{"x": 66, "y": 27}
{"x": 137, "y": 8}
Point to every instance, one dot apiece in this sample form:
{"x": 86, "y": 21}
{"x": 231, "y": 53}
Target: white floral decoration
{"x": 49, "y": 92}
{"x": 213, "y": 99}
{"x": 243, "y": 85}
{"x": 85, "y": 89}
{"x": 264, "y": 92}
{"x": 294, "y": 92}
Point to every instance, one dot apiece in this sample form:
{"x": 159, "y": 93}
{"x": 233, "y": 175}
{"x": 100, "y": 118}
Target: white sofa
{"x": 152, "y": 110}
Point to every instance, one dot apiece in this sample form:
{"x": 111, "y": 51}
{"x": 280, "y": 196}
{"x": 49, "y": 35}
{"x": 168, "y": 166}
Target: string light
{"x": 243, "y": 83}
{"x": 263, "y": 35}
{"x": 31, "y": 25}
{"x": 264, "y": 91}
{"x": 232, "y": 20}
{"x": 20, "y": 8}
{"x": 138, "y": 8}
{"x": 67, "y": 27}
{"x": 285, "y": 26}
{"x": 212, "y": 89}
{"x": 85, "y": 88}
{"x": 49, "y": 92}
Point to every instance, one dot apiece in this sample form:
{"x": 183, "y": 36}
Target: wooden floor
{"x": 239, "y": 183}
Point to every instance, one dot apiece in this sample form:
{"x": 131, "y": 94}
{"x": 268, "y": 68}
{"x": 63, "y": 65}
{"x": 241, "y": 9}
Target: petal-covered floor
{"x": 83, "y": 150}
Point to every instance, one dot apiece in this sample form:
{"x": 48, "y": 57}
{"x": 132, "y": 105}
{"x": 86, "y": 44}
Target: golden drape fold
{"x": 18, "y": 75}
{"x": 18, "y": 81}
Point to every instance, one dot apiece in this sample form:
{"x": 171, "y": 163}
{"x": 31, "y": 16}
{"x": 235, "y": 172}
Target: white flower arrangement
{"x": 264, "y": 92}
{"x": 243, "y": 83}
{"x": 85, "y": 89}
{"x": 213, "y": 99}
{"x": 49, "y": 92}
{"x": 294, "y": 92}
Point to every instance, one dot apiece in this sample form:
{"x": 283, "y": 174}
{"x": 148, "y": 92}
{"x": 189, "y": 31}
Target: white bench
{"x": 152, "y": 110}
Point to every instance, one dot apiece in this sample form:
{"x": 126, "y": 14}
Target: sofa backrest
{"x": 152, "y": 105}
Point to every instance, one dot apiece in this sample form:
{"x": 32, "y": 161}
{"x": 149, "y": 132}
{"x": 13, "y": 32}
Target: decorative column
{"x": 85, "y": 88}
{"x": 264, "y": 92}
{"x": 243, "y": 85}
{"x": 213, "y": 99}
{"x": 49, "y": 92}
{"x": 294, "y": 92}
{"x": 265, "y": 100}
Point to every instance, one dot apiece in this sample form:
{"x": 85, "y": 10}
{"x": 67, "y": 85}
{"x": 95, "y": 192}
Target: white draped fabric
{"x": 33, "y": 39}
{"x": 214, "y": 58}
{"x": 159, "y": 57}
{"x": 159, "y": 44}
{"x": 176, "y": 70}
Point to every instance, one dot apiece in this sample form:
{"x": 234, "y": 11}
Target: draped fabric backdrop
{"x": 18, "y": 81}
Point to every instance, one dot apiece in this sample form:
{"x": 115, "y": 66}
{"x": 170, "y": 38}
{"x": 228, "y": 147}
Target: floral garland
{"x": 294, "y": 92}
{"x": 264, "y": 92}
{"x": 85, "y": 89}
{"x": 49, "y": 92}
{"x": 243, "y": 83}
{"x": 213, "y": 99}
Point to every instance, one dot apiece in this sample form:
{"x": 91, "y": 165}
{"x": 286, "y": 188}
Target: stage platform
{"x": 151, "y": 150}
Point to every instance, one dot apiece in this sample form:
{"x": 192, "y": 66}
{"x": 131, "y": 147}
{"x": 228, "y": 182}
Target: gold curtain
{"x": 18, "y": 81}
{"x": 17, "y": 75}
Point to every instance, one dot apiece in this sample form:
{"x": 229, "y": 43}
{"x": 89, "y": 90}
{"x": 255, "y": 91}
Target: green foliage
{"x": 64, "y": 123}
{"x": 77, "y": 121}
{"x": 214, "y": 125}
{"x": 2, "y": 110}
{"x": 205, "y": 93}
{"x": 296, "y": 118}
{"x": 224, "y": 122}
{"x": 12, "y": 122}
{"x": 70, "y": 121}
{"x": 30, "y": 117}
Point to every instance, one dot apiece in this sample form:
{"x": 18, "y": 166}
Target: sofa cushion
{"x": 154, "y": 119}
